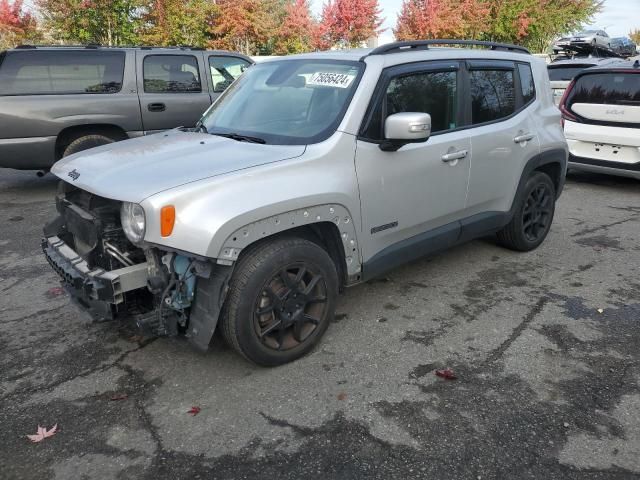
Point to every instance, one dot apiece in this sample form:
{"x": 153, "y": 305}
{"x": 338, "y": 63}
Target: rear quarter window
{"x": 47, "y": 72}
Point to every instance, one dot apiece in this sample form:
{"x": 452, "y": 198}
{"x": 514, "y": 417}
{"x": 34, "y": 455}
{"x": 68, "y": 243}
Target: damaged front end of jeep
{"x": 112, "y": 277}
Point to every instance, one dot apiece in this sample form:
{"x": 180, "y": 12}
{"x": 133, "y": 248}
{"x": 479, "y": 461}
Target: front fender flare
{"x": 334, "y": 213}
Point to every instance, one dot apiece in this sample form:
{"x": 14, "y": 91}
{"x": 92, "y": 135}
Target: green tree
{"x": 107, "y": 22}
{"x": 177, "y": 22}
{"x": 535, "y": 23}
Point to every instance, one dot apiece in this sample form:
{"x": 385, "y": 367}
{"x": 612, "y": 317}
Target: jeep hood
{"x": 136, "y": 169}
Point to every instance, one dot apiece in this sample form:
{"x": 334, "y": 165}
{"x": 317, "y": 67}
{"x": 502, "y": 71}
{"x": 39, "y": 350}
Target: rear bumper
{"x": 32, "y": 153}
{"x": 607, "y": 167}
{"x": 96, "y": 290}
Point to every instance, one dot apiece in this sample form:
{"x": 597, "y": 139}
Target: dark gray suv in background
{"x": 55, "y": 101}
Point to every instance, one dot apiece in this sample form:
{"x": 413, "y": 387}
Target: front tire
{"x": 86, "y": 142}
{"x": 281, "y": 300}
{"x": 533, "y": 216}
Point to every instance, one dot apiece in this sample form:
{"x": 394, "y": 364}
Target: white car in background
{"x": 601, "y": 116}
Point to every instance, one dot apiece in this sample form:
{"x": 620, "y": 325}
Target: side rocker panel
{"x": 336, "y": 214}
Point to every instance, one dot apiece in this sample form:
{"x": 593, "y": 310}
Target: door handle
{"x": 450, "y": 157}
{"x": 523, "y": 138}
{"x": 156, "y": 107}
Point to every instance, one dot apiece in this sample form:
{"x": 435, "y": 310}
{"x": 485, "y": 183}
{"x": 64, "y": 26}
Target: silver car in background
{"x": 593, "y": 38}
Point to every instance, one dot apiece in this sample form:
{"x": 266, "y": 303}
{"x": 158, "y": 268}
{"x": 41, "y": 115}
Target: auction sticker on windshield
{"x": 327, "y": 79}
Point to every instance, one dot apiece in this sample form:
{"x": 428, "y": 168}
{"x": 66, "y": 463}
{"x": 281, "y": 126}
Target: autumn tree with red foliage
{"x": 16, "y": 25}
{"x": 348, "y": 23}
{"x": 425, "y": 19}
{"x": 244, "y": 25}
{"x": 298, "y": 31}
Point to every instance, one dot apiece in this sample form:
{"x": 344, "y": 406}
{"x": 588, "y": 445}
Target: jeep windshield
{"x": 285, "y": 102}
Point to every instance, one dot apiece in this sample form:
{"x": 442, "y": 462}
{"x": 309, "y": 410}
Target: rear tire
{"x": 281, "y": 299}
{"x": 86, "y": 142}
{"x": 533, "y": 215}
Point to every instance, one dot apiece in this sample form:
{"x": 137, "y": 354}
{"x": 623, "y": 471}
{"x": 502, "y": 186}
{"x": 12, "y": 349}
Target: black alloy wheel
{"x": 537, "y": 213}
{"x": 290, "y": 307}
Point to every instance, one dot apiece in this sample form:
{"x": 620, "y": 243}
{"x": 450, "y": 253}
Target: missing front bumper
{"x": 90, "y": 287}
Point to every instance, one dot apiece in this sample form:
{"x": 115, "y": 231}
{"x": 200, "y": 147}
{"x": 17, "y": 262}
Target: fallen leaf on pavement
{"x": 194, "y": 411}
{"x": 342, "y": 396}
{"x": 600, "y": 310}
{"x": 43, "y": 433}
{"x": 55, "y": 292}
{"x": 136, "y": 339}
{"x": 447, "y": 374}
{"x": 119, "y": 396}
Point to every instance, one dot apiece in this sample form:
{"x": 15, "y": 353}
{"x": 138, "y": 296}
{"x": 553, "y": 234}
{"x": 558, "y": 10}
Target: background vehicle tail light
{"x": 564, "y": 110}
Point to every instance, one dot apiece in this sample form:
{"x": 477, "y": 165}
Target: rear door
{"x": 222, "y": 71}
{"x": 503, "y": 134}
{"x": 172, "y": 88}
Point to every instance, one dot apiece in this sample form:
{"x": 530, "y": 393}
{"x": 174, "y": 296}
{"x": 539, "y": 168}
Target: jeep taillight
{"x": 564, "y": 110}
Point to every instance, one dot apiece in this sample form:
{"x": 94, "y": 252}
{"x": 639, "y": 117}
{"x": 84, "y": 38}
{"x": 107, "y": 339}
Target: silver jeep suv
{"x": 309, "y": 174}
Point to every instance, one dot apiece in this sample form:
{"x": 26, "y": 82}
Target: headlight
{"x": 133, "y": 221}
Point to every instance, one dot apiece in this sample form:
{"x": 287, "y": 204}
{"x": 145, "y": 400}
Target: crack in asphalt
{"x": 83, "y": 374}
{"x": 529, "y": 317}
{"x": 606, "y": 226}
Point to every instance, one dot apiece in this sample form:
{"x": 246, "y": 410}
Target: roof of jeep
{"x": 436, "y": 53}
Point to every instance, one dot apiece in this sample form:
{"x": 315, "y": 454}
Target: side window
{"x": 224, "y": 70}
{"x": 492, "y": 95}
{"x": 526, "y": 82}
{"x": 434, "y": 93}
{"x": 51, "y": 72}
{"x": 171, "y": 74}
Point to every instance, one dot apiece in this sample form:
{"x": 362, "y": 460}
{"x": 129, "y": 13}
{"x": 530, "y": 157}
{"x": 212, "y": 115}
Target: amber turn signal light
{"x": 167, "y": 220}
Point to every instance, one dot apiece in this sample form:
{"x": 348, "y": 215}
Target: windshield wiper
{"x": 202, "y": 128}
{"x": 241, "y": 138}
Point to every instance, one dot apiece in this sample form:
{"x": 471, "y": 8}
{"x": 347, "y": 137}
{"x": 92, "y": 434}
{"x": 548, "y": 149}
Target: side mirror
{"x": 405, "y": 127}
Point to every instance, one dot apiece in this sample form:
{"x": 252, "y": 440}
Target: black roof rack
{"x": 397, "y": 47}
{"x": 97, "y": 45}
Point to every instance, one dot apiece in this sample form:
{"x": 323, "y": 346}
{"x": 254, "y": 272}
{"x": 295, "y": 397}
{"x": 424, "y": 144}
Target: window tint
{"x": 224, "y": 70}
{"x": 610, "y": 88}
{"x": 492, "y": 95}
{"x": 61, "y": 72}
{"x": 565, "y": 73}
{"x": 526, "y": 81}
{"x": 171, "y": 74}
{"x": 434, "y": 93}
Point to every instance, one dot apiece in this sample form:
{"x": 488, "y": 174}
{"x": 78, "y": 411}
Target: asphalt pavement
{"x": 544, "y": 345}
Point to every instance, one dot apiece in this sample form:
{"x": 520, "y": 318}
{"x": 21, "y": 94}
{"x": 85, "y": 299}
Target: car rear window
{"x": 564, "y": 73}
{"x": 616, "y": 88}
{"x": 49, "y": 72}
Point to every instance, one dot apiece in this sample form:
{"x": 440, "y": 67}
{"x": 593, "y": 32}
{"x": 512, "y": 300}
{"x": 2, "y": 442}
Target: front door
{"x": 172, "y": 90}
{"x": 422, "y": 186}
